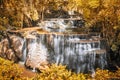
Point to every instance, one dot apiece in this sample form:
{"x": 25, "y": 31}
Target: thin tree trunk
{"x": 42, "y": 14}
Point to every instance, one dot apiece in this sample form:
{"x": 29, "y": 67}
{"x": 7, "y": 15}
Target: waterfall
{"x": 78, "y": 53}
{"x": 81, "y": 53}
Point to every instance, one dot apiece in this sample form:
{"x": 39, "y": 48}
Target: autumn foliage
{"x": 98, "y": 14}
{"x": 11, "y": 71}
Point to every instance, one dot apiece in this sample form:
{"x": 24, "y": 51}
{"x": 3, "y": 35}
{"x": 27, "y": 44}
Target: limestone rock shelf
{"x": 41, "y": 31}
{"x": 84, "y": 41}
{"x": 98, "y": 52}
{"x": 103, "y": 51}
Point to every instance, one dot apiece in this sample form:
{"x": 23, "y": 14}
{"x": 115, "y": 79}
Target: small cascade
{"x": 37, "y": 52}
{"x": 24, "y": 50}
{"x": 61, "y": 24}
{"x": 54, "y": 25}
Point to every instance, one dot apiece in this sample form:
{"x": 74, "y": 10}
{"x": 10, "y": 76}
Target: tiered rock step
{"x": 41, "y": 31}
{"x": 26, "y": 29}
{"x": 84, "y": 41}
{"x": 66, "y": 34}
{"x": 98, "y": 52}
{"x": 57, "y": 19}
{"x": 102, "y": 51}
{"x": 89, "y": 38}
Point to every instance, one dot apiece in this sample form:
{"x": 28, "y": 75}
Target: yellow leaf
{"x": 94, "y": 3}
{"x": 86, "y": 12}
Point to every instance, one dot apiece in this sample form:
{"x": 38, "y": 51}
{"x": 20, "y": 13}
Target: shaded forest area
{"x": 101, "y": 16}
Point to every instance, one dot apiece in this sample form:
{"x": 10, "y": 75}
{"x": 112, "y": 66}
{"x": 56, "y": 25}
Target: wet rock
{"x": 29, "y": 50}
{"x": 11, "y": 50}
{"x": 37, "y": 64}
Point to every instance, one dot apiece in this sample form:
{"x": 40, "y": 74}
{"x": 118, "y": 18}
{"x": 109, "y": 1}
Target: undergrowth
{"x": 11, "y": 71}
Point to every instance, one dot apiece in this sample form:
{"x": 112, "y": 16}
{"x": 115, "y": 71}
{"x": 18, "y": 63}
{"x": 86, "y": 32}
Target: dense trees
{"x": 24, "y": 13}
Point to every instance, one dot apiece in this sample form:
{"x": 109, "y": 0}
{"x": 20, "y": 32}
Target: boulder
{"x": 11, "y": 50}
{"x": 28, "y": 50}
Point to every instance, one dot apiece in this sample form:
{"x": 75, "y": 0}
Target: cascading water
{"x": 24, "y": 50}
{"x": 37, "y": 52}
{"x": 80, "y": 52}
{"x": 80, "y": 55}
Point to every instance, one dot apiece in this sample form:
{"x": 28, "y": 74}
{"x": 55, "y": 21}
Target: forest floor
{"x": 26, "y": 72}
